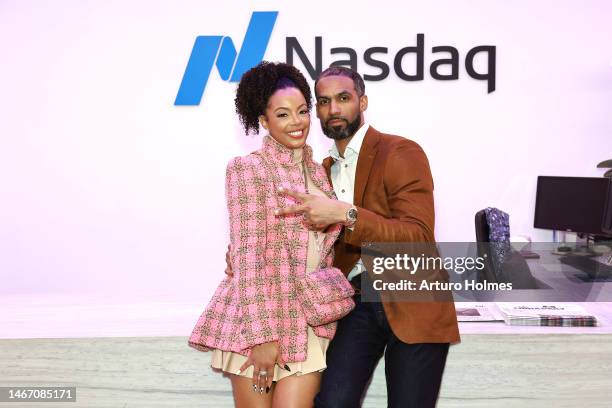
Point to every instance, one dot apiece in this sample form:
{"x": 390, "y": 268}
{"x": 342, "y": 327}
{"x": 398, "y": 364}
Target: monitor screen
{"x": 607, "y": 222}
{"x": 571, "y": 203}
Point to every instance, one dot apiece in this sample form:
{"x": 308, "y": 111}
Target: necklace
{"x": 316, "y": 234}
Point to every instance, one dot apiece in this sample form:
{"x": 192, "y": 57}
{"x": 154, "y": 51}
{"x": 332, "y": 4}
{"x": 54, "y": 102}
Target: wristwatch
{"x": 351, "y": 217}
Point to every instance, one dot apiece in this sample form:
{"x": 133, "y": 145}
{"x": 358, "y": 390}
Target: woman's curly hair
{"x": 259, "y": 83}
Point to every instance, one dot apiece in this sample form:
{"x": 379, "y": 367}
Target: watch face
{"x": 352, "y": 214}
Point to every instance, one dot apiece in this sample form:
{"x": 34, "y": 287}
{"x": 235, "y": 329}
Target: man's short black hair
{"x": 347, "y": 72}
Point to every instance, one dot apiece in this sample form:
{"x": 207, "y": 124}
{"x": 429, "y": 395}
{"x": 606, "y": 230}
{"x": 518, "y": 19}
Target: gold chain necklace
{"x": 316, "y": 234}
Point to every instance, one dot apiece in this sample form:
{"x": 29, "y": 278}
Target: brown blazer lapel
{"x": 364, "y": 164}
{"x": 327, "y": 164}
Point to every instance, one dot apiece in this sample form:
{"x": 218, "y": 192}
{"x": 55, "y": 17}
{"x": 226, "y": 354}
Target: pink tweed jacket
{"x": 258, "y": 303}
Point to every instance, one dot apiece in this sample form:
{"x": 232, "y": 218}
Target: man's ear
{"x": 263, "y": 121}
{"x": 363, "y": 103}
{"x": 316, "y": 103}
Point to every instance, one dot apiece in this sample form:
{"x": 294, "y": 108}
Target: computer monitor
{"x": 575, "y": 204}
{"x": 607, "y": 221}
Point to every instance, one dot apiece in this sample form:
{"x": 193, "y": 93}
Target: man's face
{"x": 339, "y": 107}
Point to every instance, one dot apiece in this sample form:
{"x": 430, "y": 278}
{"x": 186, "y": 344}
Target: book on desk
{"x": 546, "y": 314}
{"x": 526, "y": 314}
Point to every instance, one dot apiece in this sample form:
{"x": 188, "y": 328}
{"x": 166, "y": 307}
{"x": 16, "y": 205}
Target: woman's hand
{"x": 263, "y": 358}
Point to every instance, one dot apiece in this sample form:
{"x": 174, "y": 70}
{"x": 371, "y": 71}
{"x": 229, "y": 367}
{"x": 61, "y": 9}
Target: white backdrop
{"x": 107, "y": 187}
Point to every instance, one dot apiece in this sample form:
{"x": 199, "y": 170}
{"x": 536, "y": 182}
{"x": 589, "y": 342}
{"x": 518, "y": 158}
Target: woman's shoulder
{"x": 246, "y": 175}
{"x": 250, "y": 162}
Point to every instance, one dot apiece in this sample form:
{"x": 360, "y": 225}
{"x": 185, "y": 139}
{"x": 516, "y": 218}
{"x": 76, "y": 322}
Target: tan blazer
{"x": 394, "y": 196}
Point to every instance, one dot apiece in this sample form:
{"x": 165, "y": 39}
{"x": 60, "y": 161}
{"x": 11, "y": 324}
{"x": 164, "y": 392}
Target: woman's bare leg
{"x": 296, "y": 391}
{"x": 245, "y": 397}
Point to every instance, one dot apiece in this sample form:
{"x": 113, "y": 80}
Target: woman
{"x": 254, "y": 324}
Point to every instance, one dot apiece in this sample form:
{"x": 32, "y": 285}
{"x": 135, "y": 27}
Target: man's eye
{"x": 344, "y": 98}
{"x": 322, "y": 102}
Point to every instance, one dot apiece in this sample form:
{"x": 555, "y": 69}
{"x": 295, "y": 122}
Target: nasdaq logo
{"x": 377, "y": 63}
{"x": 209, "y": 50}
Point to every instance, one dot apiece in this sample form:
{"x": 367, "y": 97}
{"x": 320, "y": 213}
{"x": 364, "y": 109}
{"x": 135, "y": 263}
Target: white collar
{"x": 354, "y": 144}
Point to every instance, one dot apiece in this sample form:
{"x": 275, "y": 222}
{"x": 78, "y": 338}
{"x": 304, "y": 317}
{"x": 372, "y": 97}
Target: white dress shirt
{"x": 343, "y": 177}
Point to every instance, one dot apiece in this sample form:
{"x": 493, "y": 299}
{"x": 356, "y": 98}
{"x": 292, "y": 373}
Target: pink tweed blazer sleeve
{"x": 246, "y": 202}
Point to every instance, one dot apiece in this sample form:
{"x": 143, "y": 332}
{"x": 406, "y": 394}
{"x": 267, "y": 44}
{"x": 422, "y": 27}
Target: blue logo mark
{"x": 230, "y": 67}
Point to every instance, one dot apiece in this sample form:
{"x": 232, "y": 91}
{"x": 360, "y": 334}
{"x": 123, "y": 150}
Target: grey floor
{"x": 561, "y": 370}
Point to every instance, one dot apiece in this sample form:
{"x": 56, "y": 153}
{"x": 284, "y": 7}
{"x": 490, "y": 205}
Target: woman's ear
{"x": 263, "y": 121}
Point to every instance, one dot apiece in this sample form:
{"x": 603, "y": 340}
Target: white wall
{"x": 107, "y": 187}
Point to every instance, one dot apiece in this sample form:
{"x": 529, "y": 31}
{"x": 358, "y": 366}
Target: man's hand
{"x": 317, "y": 210}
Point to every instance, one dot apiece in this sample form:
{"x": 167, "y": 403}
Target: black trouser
{"x": 413, "y": 371}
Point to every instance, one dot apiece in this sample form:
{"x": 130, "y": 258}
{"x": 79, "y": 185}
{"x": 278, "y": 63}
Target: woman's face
{"x": 287, "y": 117}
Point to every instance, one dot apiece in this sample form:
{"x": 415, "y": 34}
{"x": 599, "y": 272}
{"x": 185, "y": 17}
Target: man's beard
{"x": 339, "y": 133}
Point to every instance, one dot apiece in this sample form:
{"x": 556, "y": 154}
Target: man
{"x": 385, "y": 194}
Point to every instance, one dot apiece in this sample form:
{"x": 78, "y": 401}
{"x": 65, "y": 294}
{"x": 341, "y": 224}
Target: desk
{"x": 568, "y": 280}
{"x": 497, "y": 365}
{"x": 527, "y": 367}
{"x": 561, "y": 282}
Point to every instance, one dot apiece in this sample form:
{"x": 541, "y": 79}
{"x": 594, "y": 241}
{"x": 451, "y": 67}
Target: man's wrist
{"x": 340, "y": 215}
{"x": 350, "y": 217}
